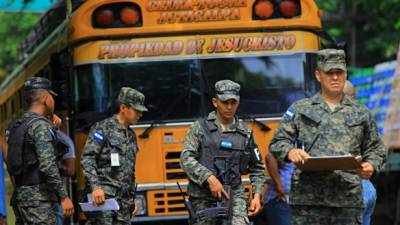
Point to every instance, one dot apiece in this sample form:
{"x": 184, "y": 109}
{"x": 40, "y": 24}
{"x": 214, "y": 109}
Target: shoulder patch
{"x": 289, "y": 114}
{"x": 98, "y": 136}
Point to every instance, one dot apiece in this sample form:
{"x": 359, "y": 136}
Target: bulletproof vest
{"x": 22, "y": 161}
{"x": 224, "y": 153}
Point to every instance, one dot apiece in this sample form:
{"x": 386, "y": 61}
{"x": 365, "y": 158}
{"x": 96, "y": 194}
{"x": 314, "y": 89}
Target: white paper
{"x": 109, "y": 204}
{"x": 114, "y": 159}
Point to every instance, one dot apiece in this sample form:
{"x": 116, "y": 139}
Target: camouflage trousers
{"x": 317, "y": 215}
{"x": 35, "y": 212}
{"x": 120, "y": 217}
{"x": 239, "y": 210}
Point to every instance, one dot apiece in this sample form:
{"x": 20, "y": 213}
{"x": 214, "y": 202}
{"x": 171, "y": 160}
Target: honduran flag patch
{"x": 289, "y": 114}
{"x": 98, "y": 136}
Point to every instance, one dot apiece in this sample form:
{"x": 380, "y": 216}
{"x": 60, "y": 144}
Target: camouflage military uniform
{"x": 349, "y": 129}
{"x": 37, "y": 204}
{"x": 198, "y": 174}
{"x": 118, "y": 181}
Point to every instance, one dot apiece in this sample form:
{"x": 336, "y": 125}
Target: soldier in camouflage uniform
{"x": 108, "y": 160}
{"x": 205, "y": 187}
{"x": 329, "y": 124}
{"x": 37, "y": 181}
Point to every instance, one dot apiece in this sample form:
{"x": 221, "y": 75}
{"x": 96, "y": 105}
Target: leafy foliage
{"x": 370, "y": 27}
{"x": 14, "y": 27}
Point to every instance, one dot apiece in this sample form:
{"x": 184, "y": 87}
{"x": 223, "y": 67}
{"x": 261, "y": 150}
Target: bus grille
{"x": 170, "y": 202}
{"x": 165, "y": 203}
{"x": 173, "y": 170}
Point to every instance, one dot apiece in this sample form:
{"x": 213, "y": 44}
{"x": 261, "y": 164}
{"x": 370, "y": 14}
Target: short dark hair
{"x": 33, "y": 95}
{"x": 116, "y": 105}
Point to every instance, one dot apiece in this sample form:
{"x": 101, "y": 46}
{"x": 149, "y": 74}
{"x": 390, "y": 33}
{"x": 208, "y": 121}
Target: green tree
{"x": 14, "y": 27}
{"x": 371, "y": 28}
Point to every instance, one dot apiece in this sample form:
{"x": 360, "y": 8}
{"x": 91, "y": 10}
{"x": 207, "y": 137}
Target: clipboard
{"x": 330, "y": 163}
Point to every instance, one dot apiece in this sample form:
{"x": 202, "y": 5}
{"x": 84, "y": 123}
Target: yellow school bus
{"x": 173, "y": 51}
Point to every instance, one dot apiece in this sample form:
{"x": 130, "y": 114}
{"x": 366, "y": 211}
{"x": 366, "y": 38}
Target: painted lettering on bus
{"x": 169, "y": 5}
{"x": 199, "y": 46}
{"x": 189, "y": 11}
{"x": 141, "y": 49}
{"x": 199, "y": 16}
{"x": 237, "y": 44}
{"x": 172, "y": 5}
{"x": 195, "y": 46}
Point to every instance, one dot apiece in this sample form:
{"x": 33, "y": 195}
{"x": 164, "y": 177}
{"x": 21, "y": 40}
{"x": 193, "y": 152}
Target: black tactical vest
{"x": 224, "y": 153}
{"x": 22, "y": 161}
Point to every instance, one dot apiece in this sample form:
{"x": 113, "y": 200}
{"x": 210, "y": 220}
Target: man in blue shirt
{"x": 67, "y": 165}
{"x": 369, "y": 191}
{"x": 277, "y": 209}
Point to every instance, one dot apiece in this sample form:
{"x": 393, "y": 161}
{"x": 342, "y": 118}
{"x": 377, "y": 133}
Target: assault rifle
{"x": 223, "y": 210}
{"x": 188, "y": 205}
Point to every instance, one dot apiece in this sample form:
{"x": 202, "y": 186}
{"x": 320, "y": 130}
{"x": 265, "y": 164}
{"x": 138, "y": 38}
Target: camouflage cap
{"x": 331, "y": 59}
{"x": 132, "y": 98}
{"x": 227, "y": 89}
{"x": 38, "y": 83}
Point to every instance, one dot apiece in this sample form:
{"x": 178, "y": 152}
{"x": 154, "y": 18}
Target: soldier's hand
{"x": 216, "y": 188}
{"x": 56, "y": 120}
{"x": 98, "y": 197}
{"x": 298, "y": 156}
{"x": 366, "y": 170}
{"x": 67, "y": 206}
{"x": 255, "y": 205}
{"x": 135, "y": 210}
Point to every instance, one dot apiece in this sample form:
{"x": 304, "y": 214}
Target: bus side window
{"x": 3, "y": 113}
{"x": 60, "y": 68}
{"x": 13, "y": 107}
{"x": 21, "y": 100}
{"x": 16, "y": 104}
{"x": 8, "y": 109}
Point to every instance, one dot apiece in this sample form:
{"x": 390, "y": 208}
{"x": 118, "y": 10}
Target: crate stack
{"x": 391, "y": 136}
{"x": 373, "y": 87}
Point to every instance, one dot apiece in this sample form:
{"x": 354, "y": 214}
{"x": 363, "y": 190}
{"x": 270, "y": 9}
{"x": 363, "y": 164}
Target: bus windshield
{"x": 181, "y": 90}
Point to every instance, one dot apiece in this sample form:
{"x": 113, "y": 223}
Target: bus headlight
{"x": 140, "y": 201}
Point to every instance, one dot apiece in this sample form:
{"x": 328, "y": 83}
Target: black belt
{"x": 29, "y": 179}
